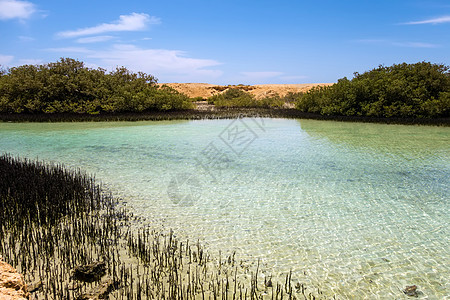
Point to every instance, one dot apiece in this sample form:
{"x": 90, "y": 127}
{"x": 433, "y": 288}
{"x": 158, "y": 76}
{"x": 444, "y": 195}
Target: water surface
{"x": 361, "y": 209}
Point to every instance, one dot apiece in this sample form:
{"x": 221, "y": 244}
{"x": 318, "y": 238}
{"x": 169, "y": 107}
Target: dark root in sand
{"x": 57, "y": 224}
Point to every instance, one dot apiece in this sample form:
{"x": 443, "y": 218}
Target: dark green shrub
{"x": 292, "y": 97}
{"x": 233, "y": 97}
{"x": 404, "y": 90}
{"x": 238, "y": 97}
{"x": 195, "y": 99}
{"x": 69, "y": 86}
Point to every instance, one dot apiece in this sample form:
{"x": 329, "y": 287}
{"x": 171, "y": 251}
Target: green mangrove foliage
{"x": 68, "y": 86}
{"x": 236, "y": 97}
{"x": 420, "y": 90}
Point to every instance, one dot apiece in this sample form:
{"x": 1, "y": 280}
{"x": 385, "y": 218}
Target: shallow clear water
{"x": 361, "y": 209}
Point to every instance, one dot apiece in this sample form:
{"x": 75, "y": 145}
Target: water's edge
{"x": 359, "y": 207}
{"x": 216, "y": 113}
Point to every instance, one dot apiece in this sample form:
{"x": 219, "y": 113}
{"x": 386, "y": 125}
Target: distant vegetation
{"x": 420, "y": 90}
{"x": 68, "y": 86}
{"x": 243, "y": 87}
{"x": 237, "y": 97}
{"x": 404, "y": 91}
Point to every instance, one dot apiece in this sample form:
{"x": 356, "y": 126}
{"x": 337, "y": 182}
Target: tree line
{"x": 237, "y": 97}
{"x": 69, "y": 86}
{"x": 420, "y": 90}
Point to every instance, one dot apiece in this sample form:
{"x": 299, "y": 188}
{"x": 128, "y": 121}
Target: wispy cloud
{"x": 5, "y": 59}
{"x": 11, "y": 61}
{"x": 131, "y": 22}
{"x": 390, "y": 43}
{"x": 94, "y": 39}
{"x": 160, "y": 62}
{"x": 167, "y": 65}
{"x": 262, "y": 75}
{"x": 440, "y": 20}
{"x": 30, "y": 61}
{"x": 293, "y": 77}
{"x": 69, "y": 50}
{"x": 415, "y": 45}
{"x": 372, "y": 41}
{"x": 14, "y": 9}
{"x": 26, "y": 38}
{"x": 258, "y": 77}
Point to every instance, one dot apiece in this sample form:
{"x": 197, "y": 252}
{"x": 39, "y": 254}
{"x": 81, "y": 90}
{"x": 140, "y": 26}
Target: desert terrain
{"x": 206, "y": 90}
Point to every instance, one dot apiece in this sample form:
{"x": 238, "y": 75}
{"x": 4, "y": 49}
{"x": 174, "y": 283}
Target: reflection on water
{"x": 362, "y": 209}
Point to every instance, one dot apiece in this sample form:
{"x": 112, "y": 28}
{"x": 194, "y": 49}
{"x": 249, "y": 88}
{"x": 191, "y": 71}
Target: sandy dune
{"x": 205, "y": 90}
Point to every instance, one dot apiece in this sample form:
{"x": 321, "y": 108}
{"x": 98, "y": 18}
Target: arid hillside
{"x": 206, "y": 90}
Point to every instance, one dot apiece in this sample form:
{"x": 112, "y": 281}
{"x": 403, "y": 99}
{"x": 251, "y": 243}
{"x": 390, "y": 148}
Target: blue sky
{"x": 227, "y": 42}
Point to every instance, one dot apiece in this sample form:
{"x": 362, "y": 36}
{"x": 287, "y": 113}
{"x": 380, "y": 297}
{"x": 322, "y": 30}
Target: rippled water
{"x": 361, "y": 209}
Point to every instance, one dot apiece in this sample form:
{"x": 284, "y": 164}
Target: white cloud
{"x": 14, "y": 9}
{"x": 71, "y": 50}
{"x": 440, "y": 20}
{"x": 162, "y": 63}
{"x": 407, "y": 44}
{"x": 415, "y": 45}
{"x": 30, "y": 61}
{"x": 265, "y": 77}
{"x": 261, "y": 75}
{"x": 166, "y": 65}
{"x": 293, "y": 77}
{"x": 94, "y": 39}
{"x": 372, "y": 41}
{"x": 5, "y": 59}
{"x": 26, "y": 38}
{"x": 131, "y": 22}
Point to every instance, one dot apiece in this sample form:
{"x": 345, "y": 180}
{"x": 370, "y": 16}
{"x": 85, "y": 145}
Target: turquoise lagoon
{"x": 357, "y": 210}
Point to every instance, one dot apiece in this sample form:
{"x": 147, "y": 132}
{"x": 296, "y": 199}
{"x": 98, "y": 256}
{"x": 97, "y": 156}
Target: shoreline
{"x": 98, "y": 232}
{"x": 216, "y": 113}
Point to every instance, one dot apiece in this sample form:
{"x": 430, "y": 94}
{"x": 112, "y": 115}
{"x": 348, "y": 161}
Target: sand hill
{"x": 206, "y": 90}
